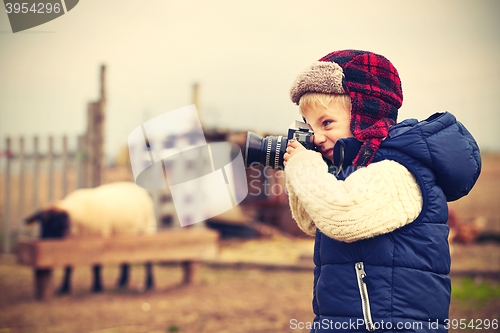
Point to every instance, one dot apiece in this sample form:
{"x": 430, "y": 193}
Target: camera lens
{"x": 267, "y": 151}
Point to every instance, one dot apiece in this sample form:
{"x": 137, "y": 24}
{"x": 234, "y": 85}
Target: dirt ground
{"x": 222, "y": 300}
{"x": 225, "y": 297}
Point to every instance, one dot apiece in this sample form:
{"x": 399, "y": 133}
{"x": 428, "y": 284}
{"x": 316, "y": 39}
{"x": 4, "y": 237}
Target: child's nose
{"x": 319, "y": 139}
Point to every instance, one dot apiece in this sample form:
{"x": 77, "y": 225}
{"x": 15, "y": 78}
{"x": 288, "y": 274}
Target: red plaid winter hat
{"x": 374, "y": 86}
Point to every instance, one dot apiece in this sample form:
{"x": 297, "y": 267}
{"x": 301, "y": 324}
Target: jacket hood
{"x": 444, "y": 145}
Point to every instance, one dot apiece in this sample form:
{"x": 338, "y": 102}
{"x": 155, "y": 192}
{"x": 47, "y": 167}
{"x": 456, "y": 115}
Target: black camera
{"x": 269, "y": 151}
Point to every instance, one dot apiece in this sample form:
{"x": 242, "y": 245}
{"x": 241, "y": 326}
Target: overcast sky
{"x": 245, "y": 55}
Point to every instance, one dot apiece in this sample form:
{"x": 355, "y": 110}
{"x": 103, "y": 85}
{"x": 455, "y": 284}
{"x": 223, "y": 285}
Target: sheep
{"x": 107, "y": 210}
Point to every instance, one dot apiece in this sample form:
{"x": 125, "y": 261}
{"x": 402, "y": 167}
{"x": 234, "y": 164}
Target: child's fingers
{"x": 293, "y": 147}
{"x": 293, "y": 143}
{"x": 286, "y": 157}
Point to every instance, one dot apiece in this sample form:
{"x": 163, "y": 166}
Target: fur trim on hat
{"x": 321, "y": 77}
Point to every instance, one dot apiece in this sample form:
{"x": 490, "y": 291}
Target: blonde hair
{"x": 314, "y": 100}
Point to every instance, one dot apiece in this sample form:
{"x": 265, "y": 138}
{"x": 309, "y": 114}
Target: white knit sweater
{"x": 372, "y": 201}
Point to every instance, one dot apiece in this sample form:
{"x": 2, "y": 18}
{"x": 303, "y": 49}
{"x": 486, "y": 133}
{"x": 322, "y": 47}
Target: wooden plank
{"x": 81, "y": 158}
{"x": 36, "y": 170}
{"x": 176, "y": 245}
{"x": 22, "y": 181}
{"x": 64, "y": 166}
{"x": 50, "y": 179}
{"x": 7, "y": 219}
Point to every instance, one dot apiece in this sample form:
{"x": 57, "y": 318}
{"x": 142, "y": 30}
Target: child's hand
{"x": 294, "y": 147}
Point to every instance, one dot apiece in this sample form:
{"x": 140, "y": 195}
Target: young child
{"x": 375, "y": 197}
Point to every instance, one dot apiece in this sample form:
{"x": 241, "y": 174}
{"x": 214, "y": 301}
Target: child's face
{"x": 329, "y": 125}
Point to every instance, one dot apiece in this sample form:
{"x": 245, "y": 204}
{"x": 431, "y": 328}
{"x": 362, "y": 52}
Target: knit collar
{"x": 344, "y": 153}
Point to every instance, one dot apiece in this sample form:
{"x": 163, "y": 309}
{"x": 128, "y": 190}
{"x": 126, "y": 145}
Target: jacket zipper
{"x": 317, "y": 299}
{"x": 365, "y": 302}
{"x": 342, "y": 152}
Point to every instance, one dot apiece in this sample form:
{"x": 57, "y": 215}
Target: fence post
{"x": 6, "y": 235}
{"x": 81, "y": 169}
{"x": 50, "y": 178}
{"x": 65, "y": 166}
{"x": 94, "y": 136}
{"x": 22, "y": 181}
{"x": 36, "y": 167}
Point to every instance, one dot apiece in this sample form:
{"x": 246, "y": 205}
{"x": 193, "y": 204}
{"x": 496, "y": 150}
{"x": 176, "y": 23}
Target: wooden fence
{"x": 36, "y": 177}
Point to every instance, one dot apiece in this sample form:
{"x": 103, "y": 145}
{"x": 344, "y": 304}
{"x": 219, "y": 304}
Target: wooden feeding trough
{"x": 186, "y": 246}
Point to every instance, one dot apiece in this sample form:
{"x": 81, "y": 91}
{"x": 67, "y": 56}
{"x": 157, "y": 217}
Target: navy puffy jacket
{"x": 399, "y": 281}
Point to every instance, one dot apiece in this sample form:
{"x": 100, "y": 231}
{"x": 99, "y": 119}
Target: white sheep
{"x": 110, "y": 209}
